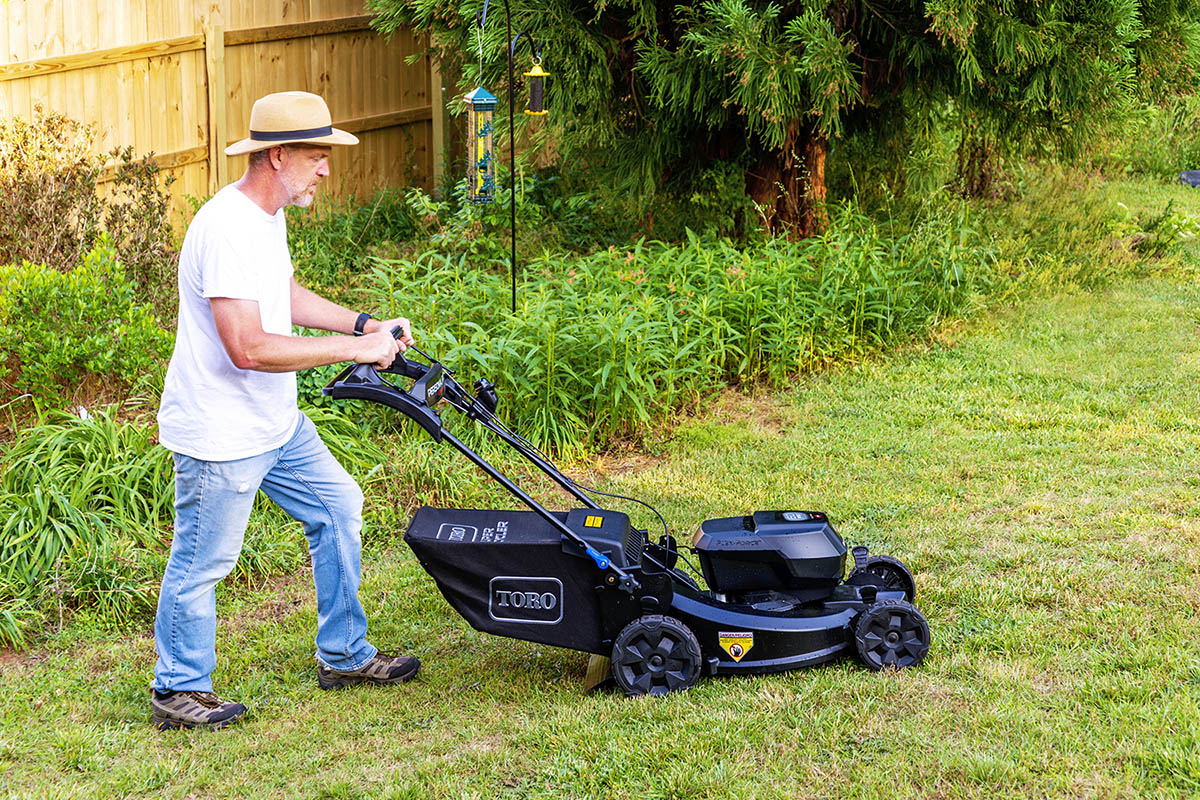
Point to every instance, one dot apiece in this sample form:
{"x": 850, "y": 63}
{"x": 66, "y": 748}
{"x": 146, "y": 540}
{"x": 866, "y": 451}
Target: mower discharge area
{"x": 777, "y": 594}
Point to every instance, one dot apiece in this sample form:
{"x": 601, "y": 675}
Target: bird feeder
{"x": 481, "y": 161}
{"x": 537, "y": 88}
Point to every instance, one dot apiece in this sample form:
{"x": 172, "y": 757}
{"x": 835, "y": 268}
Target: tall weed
{"x": 604, "y": 343}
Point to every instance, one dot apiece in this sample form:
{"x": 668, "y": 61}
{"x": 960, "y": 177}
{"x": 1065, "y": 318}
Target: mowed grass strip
{"x": 1035, "y": 468}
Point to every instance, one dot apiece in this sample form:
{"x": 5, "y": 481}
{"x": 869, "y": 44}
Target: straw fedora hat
{"x": 289, "y": 118}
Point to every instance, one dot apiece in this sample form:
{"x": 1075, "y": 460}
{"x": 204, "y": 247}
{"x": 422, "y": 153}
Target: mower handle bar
{"x": 435, "y": 382}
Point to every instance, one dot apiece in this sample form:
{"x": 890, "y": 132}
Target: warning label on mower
{"x": 736, "y": 643}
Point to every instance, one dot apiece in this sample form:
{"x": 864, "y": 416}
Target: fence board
{"x": 296, "y": 30}
{"x": 214, "y": 68}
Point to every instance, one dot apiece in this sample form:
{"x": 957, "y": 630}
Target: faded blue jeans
{"x": 212, "y": 506}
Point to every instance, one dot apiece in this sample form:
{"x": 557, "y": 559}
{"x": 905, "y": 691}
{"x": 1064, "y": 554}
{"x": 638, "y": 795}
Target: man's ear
{"x": 275, "y": 156}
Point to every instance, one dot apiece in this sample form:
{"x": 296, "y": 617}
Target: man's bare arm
{"x": 250, "y": 347}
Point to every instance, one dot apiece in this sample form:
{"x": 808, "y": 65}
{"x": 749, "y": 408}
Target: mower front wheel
{"x": 892, "y": 634}
{"x": 655, "y": 654}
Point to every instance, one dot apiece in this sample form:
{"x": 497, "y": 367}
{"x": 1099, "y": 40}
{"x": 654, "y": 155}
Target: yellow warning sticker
{"x": 736, "y": 643}
{"x": 592, "y": 521}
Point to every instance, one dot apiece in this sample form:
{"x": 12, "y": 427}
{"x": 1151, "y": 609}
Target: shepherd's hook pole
{"x": 512, "y": 164}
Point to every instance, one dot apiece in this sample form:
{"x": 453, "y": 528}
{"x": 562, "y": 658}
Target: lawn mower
{"x": 773, "y": 596}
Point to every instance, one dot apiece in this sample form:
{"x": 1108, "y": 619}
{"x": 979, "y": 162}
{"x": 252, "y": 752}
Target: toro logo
{"x": 536, "y": 601}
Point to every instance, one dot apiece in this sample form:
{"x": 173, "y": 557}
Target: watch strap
{"x": 361, "y": 323}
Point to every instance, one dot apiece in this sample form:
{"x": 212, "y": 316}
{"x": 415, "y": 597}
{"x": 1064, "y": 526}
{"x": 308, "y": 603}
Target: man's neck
{"x": 266, "y": 193}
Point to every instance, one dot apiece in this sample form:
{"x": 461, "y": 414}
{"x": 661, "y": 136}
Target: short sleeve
{"x": 226, "y": 273}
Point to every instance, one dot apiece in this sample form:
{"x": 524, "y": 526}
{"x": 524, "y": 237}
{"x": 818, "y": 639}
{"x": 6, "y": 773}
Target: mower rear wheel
{"x": 885, "y": 572}
{"x": 655, "y": 654}
{"x": 892, "y": 634}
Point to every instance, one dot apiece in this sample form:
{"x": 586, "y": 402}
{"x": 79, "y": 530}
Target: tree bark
{"x": 788, "y": 184}
{"x": 976, "y": 167}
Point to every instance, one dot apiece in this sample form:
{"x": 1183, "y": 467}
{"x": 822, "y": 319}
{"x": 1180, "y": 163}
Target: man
{"x": 230, "y": 417}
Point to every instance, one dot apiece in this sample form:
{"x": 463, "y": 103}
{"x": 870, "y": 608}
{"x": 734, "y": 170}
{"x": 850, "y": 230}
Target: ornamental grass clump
{"x": 86, "y": 506}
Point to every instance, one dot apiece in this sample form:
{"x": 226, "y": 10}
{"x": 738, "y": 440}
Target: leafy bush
{"x": 48, "y": 198}
{"x": 54, "y": 210}
{"x": 602, "y": 344}
{"x": 136, "y": 217}
{"x": 58, "y": 327}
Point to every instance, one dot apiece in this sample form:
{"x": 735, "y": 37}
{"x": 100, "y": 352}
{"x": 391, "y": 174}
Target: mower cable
{"x": 572, "y": 481}
{"x": 666, "y": 531}
{"x": 686, "y": 560}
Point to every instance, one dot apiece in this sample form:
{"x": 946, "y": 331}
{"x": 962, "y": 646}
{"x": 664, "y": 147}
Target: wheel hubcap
{"x": 894, "y": 639}
{"x": 656, "y": 661}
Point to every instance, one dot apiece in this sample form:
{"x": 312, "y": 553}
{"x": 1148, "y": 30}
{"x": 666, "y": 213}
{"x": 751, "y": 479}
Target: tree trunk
{"x": 788, "y": 184}
{"x": 976, "y": 167}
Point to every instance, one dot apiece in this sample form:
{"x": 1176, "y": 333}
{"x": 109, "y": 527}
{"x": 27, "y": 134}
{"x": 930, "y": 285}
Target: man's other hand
{"x": 406, "y": 338}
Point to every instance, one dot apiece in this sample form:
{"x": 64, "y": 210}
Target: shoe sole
{"x": 336, "y": 681}
{"x": 169, "y": 724}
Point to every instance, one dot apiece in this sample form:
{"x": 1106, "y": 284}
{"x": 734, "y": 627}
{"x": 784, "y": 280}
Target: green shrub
{"x": 329, "y": 241}
{"x": 48, "y": 198}
{"x": 137, "y": 220}
{"x": 58, "y": 327}
{"x": 54, "y": 208}
{"x": 1161, "y": 140}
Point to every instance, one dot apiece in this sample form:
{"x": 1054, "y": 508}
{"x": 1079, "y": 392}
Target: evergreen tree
{"x": 652, "y": 91}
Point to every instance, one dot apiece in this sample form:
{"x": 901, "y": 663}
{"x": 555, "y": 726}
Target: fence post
{"x": 437, "y": 104}
{"x": 214, "y": 69}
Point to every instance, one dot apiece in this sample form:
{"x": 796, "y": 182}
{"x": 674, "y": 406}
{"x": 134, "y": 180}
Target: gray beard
{"x": 297, "y": 192}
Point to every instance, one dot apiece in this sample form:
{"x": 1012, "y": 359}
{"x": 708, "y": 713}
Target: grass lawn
{"x": 1036, "y": 469}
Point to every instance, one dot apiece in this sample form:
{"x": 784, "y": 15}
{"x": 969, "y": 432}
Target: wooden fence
{"x": 178, "y": 78}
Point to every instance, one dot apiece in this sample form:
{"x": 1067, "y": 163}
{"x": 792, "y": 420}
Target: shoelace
{"x": 206, "y": 699}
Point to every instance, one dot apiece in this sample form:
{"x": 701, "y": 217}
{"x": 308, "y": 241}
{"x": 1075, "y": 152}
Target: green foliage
{"x": 58, "y": 327}
{"x": 137, "y": 220}
{"x": 605, "y": 343}
{"x": 54, "y": 211}
{"x": 1157, "y": 139}
{"x": 48, "y": 198}
{"x": 86, "y": 507}
{"x": 643, "y": 92}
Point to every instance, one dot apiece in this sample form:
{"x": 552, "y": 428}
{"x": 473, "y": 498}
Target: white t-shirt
{"x": 210, "y": 409}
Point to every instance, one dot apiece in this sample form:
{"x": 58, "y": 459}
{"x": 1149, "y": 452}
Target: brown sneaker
{"x": 383, "y": 668}
{"x": 192, "y": 710}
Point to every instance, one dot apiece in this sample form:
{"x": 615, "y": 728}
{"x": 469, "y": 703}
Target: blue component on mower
{"x": 776, "y": 596}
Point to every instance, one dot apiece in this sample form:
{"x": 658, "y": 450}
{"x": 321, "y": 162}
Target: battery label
{"x": 736, "y": 643}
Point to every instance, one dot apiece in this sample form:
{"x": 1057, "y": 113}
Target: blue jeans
{"x": 212, "y": 506}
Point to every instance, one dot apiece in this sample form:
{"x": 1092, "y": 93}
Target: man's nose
{"x": 323, "y": 170}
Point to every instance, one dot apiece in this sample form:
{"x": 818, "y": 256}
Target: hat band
{"x": 283, "y": 136}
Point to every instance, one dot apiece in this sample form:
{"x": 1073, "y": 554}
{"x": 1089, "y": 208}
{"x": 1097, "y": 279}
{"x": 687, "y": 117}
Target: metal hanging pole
{"x": 512, "y": 155}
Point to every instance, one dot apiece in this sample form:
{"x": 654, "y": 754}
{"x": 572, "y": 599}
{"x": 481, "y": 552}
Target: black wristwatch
{"x": 361, "y": 323}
